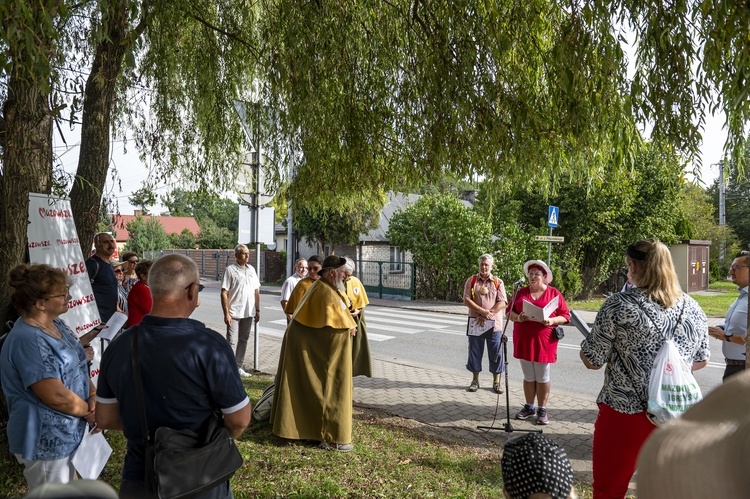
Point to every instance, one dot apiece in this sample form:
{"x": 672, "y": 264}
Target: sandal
{"x": 336, "y": 447}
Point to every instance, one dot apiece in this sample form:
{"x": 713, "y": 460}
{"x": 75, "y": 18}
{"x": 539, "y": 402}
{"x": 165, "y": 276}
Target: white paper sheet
{"x": 91, "y": 456}
{"x": 114, "y": 324}
{"x": 477, "y": 329}
{"x": 539, "y": 314}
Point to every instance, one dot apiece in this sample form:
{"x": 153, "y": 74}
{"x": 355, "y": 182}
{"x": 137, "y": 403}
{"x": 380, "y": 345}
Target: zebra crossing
{"x": 386, "y": 323}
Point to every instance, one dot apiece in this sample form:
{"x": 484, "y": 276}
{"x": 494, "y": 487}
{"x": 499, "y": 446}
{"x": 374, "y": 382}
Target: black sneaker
{"x": 525, "y": 413}
{"x": 541, "y": 416}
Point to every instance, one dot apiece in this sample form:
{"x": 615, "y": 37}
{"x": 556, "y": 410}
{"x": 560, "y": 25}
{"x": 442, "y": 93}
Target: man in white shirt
{"x": 733, "y": 331}
{"x": 240, "y": 301}
{"x": 300, "y": 271}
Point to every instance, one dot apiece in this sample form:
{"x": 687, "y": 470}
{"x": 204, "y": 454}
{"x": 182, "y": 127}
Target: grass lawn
{"x": 714, "y": 304}
{"x": 391, "y": 458}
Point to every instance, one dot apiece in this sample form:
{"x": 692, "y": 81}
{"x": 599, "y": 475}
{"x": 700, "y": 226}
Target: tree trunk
{"x": 26, "y": 167}
{"x": 99, "y": 101}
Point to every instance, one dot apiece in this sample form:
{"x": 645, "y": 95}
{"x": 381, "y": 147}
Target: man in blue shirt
{"x": 188, "y": 373}
{"x": 733, "y": 331}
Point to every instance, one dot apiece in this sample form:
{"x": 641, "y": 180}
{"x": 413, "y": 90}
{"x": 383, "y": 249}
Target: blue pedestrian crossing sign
{"x": 554, "y": 216}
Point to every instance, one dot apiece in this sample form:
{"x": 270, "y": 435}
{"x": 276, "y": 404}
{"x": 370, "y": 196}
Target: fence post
{"x": 413, "y": 281}
{"x": 380, "y": 279}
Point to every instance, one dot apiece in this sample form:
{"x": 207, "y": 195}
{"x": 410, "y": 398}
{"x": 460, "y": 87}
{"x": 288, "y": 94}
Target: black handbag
{"x": 558, "y": 333}
{"x": 183, "y": 463}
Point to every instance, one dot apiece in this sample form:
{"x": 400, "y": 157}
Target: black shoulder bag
{"x": 183, "y": 463}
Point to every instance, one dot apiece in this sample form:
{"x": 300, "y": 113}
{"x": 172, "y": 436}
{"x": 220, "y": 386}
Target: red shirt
{"x": 139, "y": 303}
{"x": 533, "y": 341}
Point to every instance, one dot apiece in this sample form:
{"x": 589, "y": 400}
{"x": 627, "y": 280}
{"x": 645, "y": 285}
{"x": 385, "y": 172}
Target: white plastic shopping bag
{"x": 672, "y": 388}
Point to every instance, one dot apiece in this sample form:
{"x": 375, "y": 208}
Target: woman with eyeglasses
{"x": 139, "y": 298}
{"x": 122, "y": 293}
{"x": 534, "y": 341}
{"x": 130, "y": 277}
{"x": 629, "y": 330}
{"x": 45, "y": 377}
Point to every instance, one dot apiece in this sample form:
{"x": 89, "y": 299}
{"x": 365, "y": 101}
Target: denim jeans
{"x": 494, "y": 352}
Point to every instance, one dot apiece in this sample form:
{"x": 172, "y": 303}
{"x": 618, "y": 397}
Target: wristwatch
{"x": 728, "y": 337}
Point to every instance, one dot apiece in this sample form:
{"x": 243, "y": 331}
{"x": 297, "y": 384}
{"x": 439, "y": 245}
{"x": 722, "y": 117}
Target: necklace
{"x": 54, "y": 332}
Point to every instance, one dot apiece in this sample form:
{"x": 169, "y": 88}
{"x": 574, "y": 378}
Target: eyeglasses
{"x": 735, "y": 267}
{"x": 133, "y": 261}
{"x": 118, "y": 271}
{"x": 201, "y": 287}
{"x": 67, "y": 293}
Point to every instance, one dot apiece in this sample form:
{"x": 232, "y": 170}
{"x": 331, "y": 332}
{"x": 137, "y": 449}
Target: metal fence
{"x": 387, "y": 279}
{"x": 212, "y": 263}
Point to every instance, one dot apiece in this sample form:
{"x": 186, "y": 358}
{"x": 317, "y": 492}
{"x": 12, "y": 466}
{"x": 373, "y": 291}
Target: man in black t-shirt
{"x": 102, "y": 276}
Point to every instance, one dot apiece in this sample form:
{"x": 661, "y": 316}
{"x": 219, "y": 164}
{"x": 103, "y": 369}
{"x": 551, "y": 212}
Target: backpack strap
{"x": 670, "y": 334}
{"x": 495, "y": 280}
{"x": 93, "y": 277}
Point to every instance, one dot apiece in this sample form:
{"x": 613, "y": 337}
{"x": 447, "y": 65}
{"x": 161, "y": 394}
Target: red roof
{"x": 170, "y": 224}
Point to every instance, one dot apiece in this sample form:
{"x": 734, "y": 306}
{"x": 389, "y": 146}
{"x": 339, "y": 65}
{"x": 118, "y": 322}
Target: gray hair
{"x": 487, "y": 257}
{"x": 349, "y": 267}
{"x": 240, "y": 247}
{"x": 171, "y": 274}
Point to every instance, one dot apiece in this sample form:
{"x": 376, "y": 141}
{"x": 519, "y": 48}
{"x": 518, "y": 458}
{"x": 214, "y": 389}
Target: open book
{"x": 539, "y": 314}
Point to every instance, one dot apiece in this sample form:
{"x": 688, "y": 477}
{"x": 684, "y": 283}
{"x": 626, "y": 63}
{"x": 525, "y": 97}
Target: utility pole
{"x": 722, "y": 212}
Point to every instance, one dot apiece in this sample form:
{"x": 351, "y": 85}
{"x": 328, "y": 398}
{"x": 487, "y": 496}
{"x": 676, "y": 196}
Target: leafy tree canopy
{"x": 321, "y": 226}
{"x": 184, "y": 240}
{"x": 737, "y": 201}
{"x": 597, "y": 223}
{"x": 146, "y": 234}
{"x": 445, "y": 238}
{"x": 217, "y": 217}
{"x": 143, "y": 198}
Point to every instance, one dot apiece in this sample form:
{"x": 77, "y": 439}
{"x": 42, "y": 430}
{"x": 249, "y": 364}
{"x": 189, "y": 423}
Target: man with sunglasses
{"x": 240, "y": 301}
{"x": 733, "y": 331}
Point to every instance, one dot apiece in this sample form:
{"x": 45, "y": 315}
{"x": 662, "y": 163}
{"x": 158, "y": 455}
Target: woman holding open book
{"x": 536, "y": 310}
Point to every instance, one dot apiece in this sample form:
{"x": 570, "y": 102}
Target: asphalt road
{"x": 438, "y": 341}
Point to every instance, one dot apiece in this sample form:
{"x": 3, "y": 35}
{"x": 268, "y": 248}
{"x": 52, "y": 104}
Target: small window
{"x": 397, "y": 260}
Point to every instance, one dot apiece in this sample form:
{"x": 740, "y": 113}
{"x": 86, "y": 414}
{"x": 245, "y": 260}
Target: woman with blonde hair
{"x": 629, "y": 330}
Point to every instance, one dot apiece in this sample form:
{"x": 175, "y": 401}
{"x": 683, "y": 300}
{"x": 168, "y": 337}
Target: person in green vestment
{"x": 313, "y": 395}
{"x": 355, "y": 291}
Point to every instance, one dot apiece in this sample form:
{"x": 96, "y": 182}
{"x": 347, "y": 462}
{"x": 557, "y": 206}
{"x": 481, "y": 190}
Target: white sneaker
{"x": 244, "y": 374}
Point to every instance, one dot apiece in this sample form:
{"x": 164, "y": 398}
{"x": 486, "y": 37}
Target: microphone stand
{"x": 508, "y": 427}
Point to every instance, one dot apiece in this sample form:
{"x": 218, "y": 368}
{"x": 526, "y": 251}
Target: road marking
{"x": 277, "y": 333}
{"x": 377, "y": 337}
{"x": 429, "y": 316}
{"x": 422, "y": 323}
{"x": 392, "y": 329}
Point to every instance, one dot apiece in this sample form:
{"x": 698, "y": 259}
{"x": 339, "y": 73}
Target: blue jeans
{"x": 494, "y": 352}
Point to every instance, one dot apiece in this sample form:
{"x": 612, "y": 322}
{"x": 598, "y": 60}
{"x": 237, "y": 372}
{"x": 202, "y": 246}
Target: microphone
{"x": 519, "y": 282}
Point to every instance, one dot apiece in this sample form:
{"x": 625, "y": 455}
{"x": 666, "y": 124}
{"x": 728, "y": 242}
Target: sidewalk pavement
{"x": 439, "y": 403}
